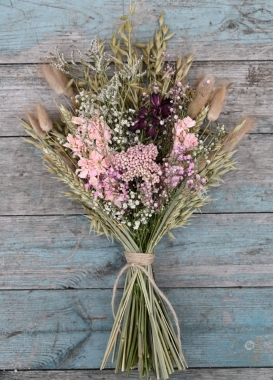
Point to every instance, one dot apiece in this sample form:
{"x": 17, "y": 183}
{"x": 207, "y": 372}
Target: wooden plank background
{"x": 56, "y": 277}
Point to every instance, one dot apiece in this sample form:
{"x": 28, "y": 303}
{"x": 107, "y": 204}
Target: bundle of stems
{"x": 142, "y": 333}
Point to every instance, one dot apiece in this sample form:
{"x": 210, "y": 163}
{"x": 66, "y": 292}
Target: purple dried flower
{"x": 165, "y": 108}
{"x": 149, "y": 118}
{"x": 155, "y": 99}
{"x": 134, "y": 126}
{"x": 143, "y": 113}
{"x": 151, "y": 131}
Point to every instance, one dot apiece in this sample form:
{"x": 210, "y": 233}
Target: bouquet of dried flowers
{"x": 138, "y": 147}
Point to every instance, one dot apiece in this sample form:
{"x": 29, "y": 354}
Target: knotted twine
{"x": 139, "y": 260}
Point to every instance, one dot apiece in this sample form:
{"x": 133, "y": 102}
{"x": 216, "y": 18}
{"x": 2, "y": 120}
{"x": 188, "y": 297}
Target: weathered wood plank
{"x": 190, "y": 374}
{"x": 230, "y": 30}
{"x": 58, "y": 252}
{"x": 69, "y": 329}
{"x": 251, "y": 92}
{"x": 28, "y": 189}
{"x": 43, "y": 249}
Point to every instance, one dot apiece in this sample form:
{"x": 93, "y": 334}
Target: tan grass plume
{"x": 203, "y": 93}
{"x": 57, "y": 80}
{"x": 43, "y": 118}
{"x": 237, "y": 134}
{"x": 217, "y": 103}
{"x": 35, "y": 124}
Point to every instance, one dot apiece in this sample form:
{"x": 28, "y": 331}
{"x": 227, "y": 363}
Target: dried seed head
{"x": 35, "y": 124}
{"x": 203, "y": 92}
{"x": 203, "y": 161}
{"x": 57, "y": 80}
{"x": 202, "y": 164}
{"x": 217, "y": 103}
{"x": 238, "y": 133}
{"x": 43, "y": 118}
{"x": 68, "y": 162}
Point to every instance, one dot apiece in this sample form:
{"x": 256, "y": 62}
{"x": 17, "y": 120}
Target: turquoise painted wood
{"x": 56, "y": 279}
{"x": 69, "y": 329}
{"x": 190, "y": 374}
{"x": 58, "y": 252}
{"x": 213, "y": 30}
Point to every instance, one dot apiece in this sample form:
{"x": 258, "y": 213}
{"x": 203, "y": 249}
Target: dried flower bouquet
{"x": 138, "y": 147}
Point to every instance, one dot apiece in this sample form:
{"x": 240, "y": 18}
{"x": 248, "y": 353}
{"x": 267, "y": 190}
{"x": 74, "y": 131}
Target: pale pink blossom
{"x": 91, "y": 130}
{"x": 181, "y": 133}
{"x": 75, "y": 144}
{"x": 99, "y": 131}
{"x": 138, "y": 162}
{"x": 183, "y": 125}
{"x": 86, "y": 169}
{"x": 190, "y": 141}
{"x": 78, "y": 120}
{"x": 98, "y": 162}
{"x": 112, "y": 197}
{"x": 187, "y": 140}
{"x": 91, "y": 169}
{"x": 90, "y": 144}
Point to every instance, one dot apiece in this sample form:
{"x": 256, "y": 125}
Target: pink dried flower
{"x": 138, "y": 162}
{"x": 91, "y": 130}
{"x": 179, "y": 168}
{"x": 189, "y": 141}
{"x": 90, "y": 144}
{"x": 183, "y": 125}
{"x": 136, "y": 165}
{"x": 78, "y": 120}
{"x": 181, "y": 135}
{"x": 99, "y": 131}
{"x": 75, "y": 143}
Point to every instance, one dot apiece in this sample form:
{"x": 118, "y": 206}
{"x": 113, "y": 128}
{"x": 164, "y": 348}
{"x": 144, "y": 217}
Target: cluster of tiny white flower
{"x": 220, "y": 131}
{"x": 131, "y": 72}
{"x": 134, "y": 212}
{"x": 58, "y": 60}
{"x": 97, "y": 56}
{"x": 113, "y": 211}
{"x": 86, "y": 104}
{"x": 110, "y": 94}
{"x": 200, "y": 149}
{"x": 206, "y": 146}
{"x": 119, "y": 122}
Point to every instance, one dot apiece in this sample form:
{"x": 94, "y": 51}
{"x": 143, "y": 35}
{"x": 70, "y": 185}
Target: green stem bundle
{"x": 142, "y": 333}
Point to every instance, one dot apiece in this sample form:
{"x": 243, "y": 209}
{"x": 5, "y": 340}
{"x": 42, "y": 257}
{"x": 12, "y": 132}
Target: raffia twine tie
{"x": 139, "y": 260}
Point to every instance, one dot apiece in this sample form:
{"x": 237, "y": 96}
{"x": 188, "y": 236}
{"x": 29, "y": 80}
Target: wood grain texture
{"x": 69, "y": 329}
{"x": 56, "y": 278}
{"x": 251, "y": 89}
{"x": 29, "y": 190}
{"x": 212, "y": 29}
{"x": 190, "y": 374}
{"x": 57, "y": 252}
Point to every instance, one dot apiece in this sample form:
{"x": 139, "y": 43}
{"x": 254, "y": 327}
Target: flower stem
{"x": 143, "y": 331}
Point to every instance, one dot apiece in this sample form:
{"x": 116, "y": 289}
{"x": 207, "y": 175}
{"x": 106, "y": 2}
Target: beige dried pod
{"x": 217, "y": 103}
{"x": 204, "y": 161}
{"x": 203, "y": 93}
{"x": 35, "y": 124}
{"x": 43, "y": 118}
{"x": 237, "y": 134}
{"x": 57, "y": 80}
